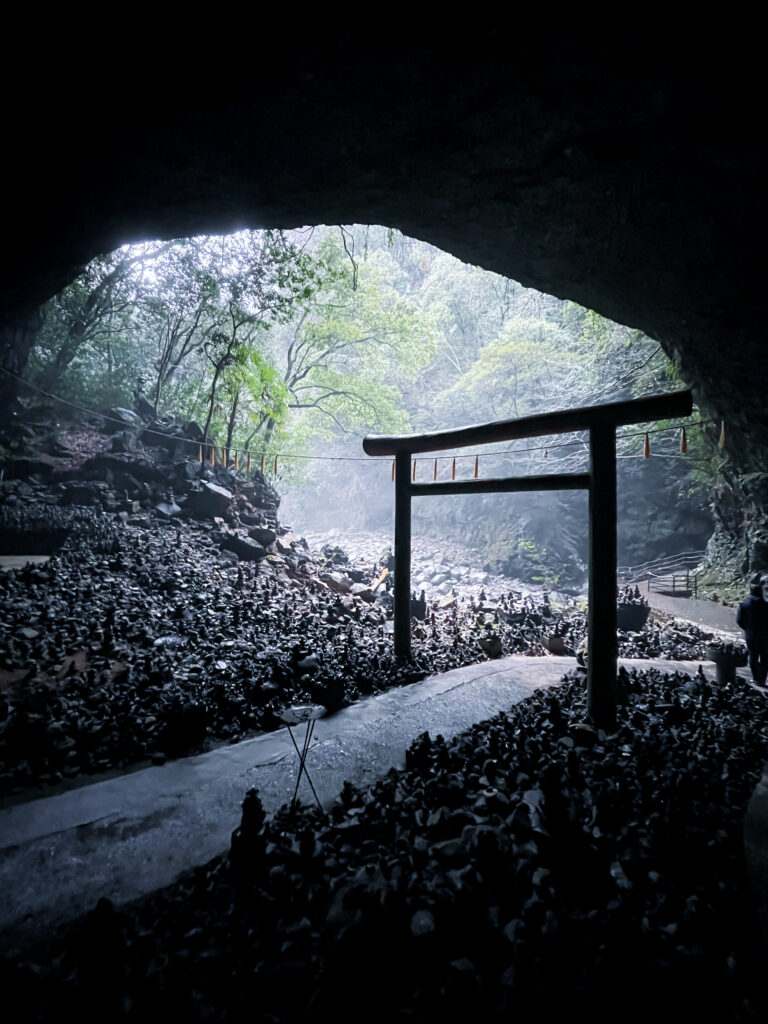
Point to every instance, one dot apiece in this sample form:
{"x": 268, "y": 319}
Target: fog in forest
{"x": 290, "y": 347}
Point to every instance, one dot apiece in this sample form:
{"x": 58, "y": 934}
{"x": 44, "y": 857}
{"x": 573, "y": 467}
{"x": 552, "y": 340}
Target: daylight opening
{"x": 278, "y": 351}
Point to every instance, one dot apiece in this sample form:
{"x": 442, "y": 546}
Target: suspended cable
{"x": 546, "y": 448}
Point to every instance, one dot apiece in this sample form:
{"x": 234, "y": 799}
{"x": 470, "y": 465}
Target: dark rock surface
{"x": 529, "y": 868}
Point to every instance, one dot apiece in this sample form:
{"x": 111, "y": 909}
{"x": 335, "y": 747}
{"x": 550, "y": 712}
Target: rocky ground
{"x": 177, "y": 612}
{"x": 528, "y": 868}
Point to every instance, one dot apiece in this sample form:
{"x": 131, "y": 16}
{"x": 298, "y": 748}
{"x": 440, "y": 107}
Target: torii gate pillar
{"x": 602, "y": 642}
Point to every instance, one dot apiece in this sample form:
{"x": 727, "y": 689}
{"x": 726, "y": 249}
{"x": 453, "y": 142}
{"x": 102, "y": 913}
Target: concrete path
{"x": 707, "y": 614}
{"x": 129, "y": 835}
{"x": 17, "y": 561}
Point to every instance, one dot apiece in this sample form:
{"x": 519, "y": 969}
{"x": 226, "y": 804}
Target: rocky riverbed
{"x": 176, "y": 612}
{"x": 530, "y": 867}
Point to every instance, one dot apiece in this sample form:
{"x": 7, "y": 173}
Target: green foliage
{"x": 303, "y": 341}
{"x": 167, "y": 314}
{"x": 707, "y": 462}
{"x": 346, "y": 359}
{"x": 529, "y": 363}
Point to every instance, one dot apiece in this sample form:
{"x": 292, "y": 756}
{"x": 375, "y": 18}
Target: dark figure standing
{"x": 752, "y": 616}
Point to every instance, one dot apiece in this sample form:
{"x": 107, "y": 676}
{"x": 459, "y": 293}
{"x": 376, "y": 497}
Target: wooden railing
{"x": 674, "y": 584}
{"x": 669, "y": 574}
{"x": 684, "y": 561}
{"x": 601, "y": 422}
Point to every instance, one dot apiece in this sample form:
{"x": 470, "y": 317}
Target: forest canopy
{"x": 298, "y": 343}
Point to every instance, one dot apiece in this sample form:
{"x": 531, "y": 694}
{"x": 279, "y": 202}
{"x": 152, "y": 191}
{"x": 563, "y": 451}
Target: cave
{"x": 619, "y": 168}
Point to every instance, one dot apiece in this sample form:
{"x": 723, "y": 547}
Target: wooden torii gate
{"x": 601, "y": 422}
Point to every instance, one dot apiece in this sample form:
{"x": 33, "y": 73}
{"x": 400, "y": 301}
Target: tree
{"x": 344, "y": 359}
{"x": 229, "y": 286}
{"x": 159, "y": 306}
{"x": 261, "y": 279}
{"x": 176, "y": 310}
{"x": 470, "y": 306}
{"x": 93, "y": 309}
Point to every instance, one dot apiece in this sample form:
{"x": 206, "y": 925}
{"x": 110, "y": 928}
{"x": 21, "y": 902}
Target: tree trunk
{"x": 16, "y": 342}
{"x": 54, "y": 370}
{"x": 232, "y": 417}
{"x": 271, "y": 424}
{"x": 211, "y": 403}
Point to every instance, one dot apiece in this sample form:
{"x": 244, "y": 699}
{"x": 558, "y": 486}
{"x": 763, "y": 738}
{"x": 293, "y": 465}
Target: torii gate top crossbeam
{"x": 639, "y": 410}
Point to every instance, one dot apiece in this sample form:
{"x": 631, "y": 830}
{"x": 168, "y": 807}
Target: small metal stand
{"x": 295, "y": 715}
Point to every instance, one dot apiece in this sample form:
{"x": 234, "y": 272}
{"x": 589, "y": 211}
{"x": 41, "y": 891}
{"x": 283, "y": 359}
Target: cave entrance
{"x": 600, "y": 421}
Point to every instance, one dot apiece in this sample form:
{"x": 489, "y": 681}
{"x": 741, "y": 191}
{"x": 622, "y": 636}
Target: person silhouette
{"x": 752, "y": 616}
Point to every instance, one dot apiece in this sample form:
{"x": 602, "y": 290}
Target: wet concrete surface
{"x": 17, "y": 561}
{"x": 125, "y": 836}
{"x": 708, "y": 614}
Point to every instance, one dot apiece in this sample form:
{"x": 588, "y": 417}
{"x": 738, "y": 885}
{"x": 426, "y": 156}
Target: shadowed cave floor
{"x": 505, "y": 860}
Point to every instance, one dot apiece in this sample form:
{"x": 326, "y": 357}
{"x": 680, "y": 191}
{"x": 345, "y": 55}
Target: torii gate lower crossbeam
{"x": 601, "y": 422}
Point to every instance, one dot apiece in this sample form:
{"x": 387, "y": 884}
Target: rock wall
{"x": 738, "y": 547}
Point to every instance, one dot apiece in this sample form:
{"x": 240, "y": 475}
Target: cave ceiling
{"x": 624, "y": 171}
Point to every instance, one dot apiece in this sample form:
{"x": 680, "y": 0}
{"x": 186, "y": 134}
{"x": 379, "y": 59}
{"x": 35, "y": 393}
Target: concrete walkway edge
{"x": 126, "y": 836}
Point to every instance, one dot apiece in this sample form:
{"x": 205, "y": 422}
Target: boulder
{"x": 491, "y": 645}
{"x": 88, "y": 492}
{"x": 247, "y": 550}
{"x": 168, "y": 509}
{"x": 118, "y": 418}
{"x": 193, "y": 431}
{"x": 153, "y": 437}
{"x": 23, "y": 468}
{"x": 186, "y": 472}
{"x": 263, "y": 535}
{"x": 209, "y": 501}
{"x": 125, "y": 441}
{"x": 336, "y": 582}
{"x": 118, "y": 465}
{"x": 287, "y": 541}
{"x": 335, "y": 555}
{"x": 363, "y": 592}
